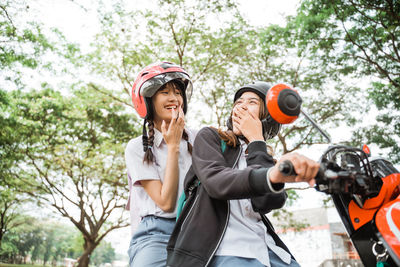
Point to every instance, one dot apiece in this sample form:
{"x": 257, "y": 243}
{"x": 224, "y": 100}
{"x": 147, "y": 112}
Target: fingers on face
{"x": 163, "y": 127}
{"x": 235, "y": 119}
{"x": 174, "y": 114}
{"x": 180, "y": 121}
{"x": 177, "y": 119}
{"x": 240, "y": 111}
{"x": 181, "y": 114}
{"x": 181, "y": 117}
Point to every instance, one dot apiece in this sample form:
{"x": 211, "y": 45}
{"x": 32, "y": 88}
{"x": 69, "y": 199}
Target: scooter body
{"x": 373, "y": 222}
{"x": 365, "y": 191}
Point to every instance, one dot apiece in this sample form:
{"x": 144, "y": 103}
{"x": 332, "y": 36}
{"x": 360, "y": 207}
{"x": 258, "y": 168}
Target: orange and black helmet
{"x": 281, "y": 101}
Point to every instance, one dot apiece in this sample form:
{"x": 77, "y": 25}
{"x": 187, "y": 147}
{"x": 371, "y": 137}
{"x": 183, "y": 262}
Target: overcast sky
{"x": 79, "y": 24}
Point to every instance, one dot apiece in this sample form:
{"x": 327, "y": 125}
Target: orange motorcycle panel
{"x": 388, "y": 223}
{"x": 360, "y": 216}
{"x": 387, "y": 193}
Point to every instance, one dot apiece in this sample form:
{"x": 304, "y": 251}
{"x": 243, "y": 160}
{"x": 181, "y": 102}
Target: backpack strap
{"x": 223, "y": 146}
{"x": 182, "y": 199}
{"x": 180, "y": 204}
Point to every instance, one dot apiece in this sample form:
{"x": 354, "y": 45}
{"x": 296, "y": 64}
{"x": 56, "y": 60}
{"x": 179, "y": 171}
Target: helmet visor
{"x": 151, "y": 86}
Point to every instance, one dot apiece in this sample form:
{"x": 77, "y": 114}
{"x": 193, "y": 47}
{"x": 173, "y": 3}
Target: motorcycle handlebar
{"x": 337, "y": 181}
{"x": 287, "y": 169}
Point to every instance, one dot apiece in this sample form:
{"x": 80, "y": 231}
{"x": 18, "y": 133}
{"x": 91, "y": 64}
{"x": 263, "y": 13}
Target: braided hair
{"x": 148, "y": 142}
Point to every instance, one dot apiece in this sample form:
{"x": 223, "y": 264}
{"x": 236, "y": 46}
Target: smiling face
{"x": 250, "y": 102}
{"x": 167, "y": 98}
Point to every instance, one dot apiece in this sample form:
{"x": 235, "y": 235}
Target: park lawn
{"x": 18, "y": 265}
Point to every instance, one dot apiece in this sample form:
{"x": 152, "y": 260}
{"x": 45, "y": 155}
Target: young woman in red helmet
{"x": 232, "y": 184}
{"x": 158, "y": 160}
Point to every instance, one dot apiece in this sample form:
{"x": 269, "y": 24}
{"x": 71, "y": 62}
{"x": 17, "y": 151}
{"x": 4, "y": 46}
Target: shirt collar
{"x": 243, "y": 143}
{"x": 158, "y": 138}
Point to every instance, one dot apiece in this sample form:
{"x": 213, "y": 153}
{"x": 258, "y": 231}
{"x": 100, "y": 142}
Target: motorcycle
{"x": 364, "y": 190}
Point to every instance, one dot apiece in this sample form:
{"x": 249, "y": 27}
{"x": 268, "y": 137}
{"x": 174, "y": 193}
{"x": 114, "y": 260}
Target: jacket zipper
{"x": 227, "y": 217}
{"x": 223, "y": 233}
{"x": 191, "y": 208}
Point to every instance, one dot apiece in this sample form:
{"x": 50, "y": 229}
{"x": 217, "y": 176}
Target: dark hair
{"x": 148, "y": 141}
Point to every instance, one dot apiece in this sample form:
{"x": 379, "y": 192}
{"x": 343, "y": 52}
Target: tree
{"x": 60, "y": 242}
{"x": 361, "y": 39}
{"x": 41, "y": 239}
{"x": 22, "y": 45}
{"x": 193, "y": 34}
{"x": 289, "y": 55}
{"x": 65, "y": 149}
{"x": 74, "y": 158}
{"x": 221, "y": 55}
{"x": 10, "y": 217}
{"x": 23, "y": 240}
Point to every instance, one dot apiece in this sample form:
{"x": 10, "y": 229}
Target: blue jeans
{"x": 148, "y": 245}
{"x": 232, "y": 261}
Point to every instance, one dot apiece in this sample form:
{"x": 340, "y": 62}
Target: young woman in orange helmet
{"x": 158, "y": 160}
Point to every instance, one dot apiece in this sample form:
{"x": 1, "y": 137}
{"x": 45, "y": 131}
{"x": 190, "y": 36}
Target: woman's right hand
{"x": 173, "y": 133}
{"x": 249, "y": 125}
{"x": 306, "y": 170}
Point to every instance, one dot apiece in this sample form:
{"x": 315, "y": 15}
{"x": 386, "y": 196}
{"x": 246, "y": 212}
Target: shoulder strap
{"x": 223, "y": 145}
{"x": 196, "y": 183}
{"x": 180, "y": 204}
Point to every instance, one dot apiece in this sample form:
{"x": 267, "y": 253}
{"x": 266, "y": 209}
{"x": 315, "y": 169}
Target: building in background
{"x": 323, "y": 243}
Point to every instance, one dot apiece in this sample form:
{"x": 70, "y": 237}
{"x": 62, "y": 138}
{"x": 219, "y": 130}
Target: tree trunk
{"x": 84, "y": 259}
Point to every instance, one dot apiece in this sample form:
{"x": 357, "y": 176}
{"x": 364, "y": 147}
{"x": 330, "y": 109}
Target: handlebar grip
{"x": 287, "y": 169}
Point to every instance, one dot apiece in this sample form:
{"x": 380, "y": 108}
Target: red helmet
{"x": 151, "y": 79}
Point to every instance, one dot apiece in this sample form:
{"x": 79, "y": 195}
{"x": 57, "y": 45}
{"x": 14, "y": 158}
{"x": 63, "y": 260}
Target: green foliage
{"x": 72, "y": 148}
{"x": 63, "y": 144}
{"x": 104, "y": 253}
{"x": 360, "y": 39}
{"x": 23, "y": 240}
{"x": 48, "y": 241}
{"x": 288, "y": 222}
{"x": 291, "y": 55}
{"x": 22, "y": 43}
{"x": 192, "y": 34}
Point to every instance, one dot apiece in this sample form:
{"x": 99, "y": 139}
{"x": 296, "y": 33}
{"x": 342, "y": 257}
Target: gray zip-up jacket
{"x": 210, "y": 183}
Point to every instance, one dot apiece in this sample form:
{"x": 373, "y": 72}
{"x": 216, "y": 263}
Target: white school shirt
{"x": 246, "y": 235}
{"x": 140, "y": 203}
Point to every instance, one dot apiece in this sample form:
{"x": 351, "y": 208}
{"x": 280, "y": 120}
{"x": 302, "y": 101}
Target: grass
{"x": 18, "y": 265}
